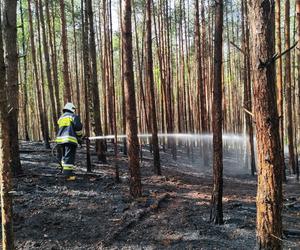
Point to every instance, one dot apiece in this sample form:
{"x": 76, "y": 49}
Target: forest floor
{"x": 94, "y": 212}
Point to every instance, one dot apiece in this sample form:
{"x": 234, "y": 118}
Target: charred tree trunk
{"x": 270, "y": 162}
{"x": 5, "y": 168}
{"x": 216, "y": 214}
{"x": 11, "y": 65}
{"x": 131, "y": 118}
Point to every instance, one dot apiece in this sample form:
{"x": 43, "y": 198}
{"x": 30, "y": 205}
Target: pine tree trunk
{"x": 279, "y": 83}
{"x": 131, "y": 118}
{"x": 298, "y": 65}
{"x": 122, "y": 82}
{"x": 42, "y": 114}
{"x": 94, "y": 89}
{"x": 25, "y": 84}
{"x": 48, "y": 67}
{"x": 78, "y": 106}
{"x": 52, "y": 43}
{"x": 11, "y": 65}
{"x": 270, "y": 162}
{"x": 64, "y": 39}
{"x": 86, "y": 80}
{"x": 288, "y": 94}
{"x": 216, "y": 215}
{"x": 5, "y": 168}
{"x": 247, "y": 85}
{"x": 150, "y": 82}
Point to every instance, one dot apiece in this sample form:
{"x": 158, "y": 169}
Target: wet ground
{"x": 96, "y": 213}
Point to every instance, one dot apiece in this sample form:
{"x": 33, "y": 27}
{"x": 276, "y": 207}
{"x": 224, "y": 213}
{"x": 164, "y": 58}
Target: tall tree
{"x": 25, "y": 87}
{"x": 216, "y": 211}
{"x": 150, "y": 83}
{"x": 76, "y": 60}
{"x": 131, "y": 119}
{"x": 11, "y": 64}
{"x": 41, "y": 104}
{"x": 201, "y": 90}
{"x": 94, "y": 89}
{"x": 270, "y": 162}
{"x": 48, "y": 66}
{"x": 5, "y": 168}
{"x": 279, "y": 83}
{"x": 247, "y": 84}
{"x": 298, "y": 61}
{"x": 52, "y": 43}
{"x": 288, "y": 93}
{"x": 64, "y": 40}
{"x": 86, "y": 80}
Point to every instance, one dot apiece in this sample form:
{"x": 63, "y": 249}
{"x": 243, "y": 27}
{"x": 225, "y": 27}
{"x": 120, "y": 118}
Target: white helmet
{"x": 70, "y": 107}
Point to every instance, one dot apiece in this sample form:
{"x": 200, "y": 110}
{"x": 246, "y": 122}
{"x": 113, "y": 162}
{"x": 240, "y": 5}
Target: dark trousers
{"x": 68, "y": 152}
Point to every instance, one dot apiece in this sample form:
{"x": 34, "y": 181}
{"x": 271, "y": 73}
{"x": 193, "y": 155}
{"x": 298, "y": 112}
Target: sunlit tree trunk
{"x": 131, "y": 119}
{"x": 40, "y": 103}
{"x": 298, "y": 64}
{"x": 48, "y": 67}
{"x": 279, "y": 83}
{"x": 288, "y": 94}
{"x": 270, "y": 162}
{"x": 5, "y": 168}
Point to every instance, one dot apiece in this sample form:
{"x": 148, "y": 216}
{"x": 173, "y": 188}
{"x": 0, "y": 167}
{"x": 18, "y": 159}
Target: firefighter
{"x": 68, "y": 137}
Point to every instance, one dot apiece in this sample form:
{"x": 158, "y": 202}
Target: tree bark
{"x": 270, "y": 162}
{"x": 298, "y": 63}
{"x": 247, "y": 85}
{"x": 86, "y": 82}
{"x": 25, "y": 104}
{"x": 40, "y": 103}
{"x": 94, "y": 89}
{"x": 11, "y": 65}
{"x": 5, "y": 168}
{"x": 216, "y": 215}
{"x": 48, "y": 67}
{"x": 78, "y": 106}
{"x": 279, "y": 83}
{"x": 52, "y": 43}
{"x": 150, "y": 83}
{"x": 64, "y": 40}
{"x": 288, "y": 94}
{"x": 131, "y": 118}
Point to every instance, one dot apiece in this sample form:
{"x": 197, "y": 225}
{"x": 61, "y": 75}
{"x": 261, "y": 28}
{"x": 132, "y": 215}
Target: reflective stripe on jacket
{"x": 69, "y": 128}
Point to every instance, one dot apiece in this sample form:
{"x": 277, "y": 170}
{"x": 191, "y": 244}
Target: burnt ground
{"x": 94, "y": 212}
